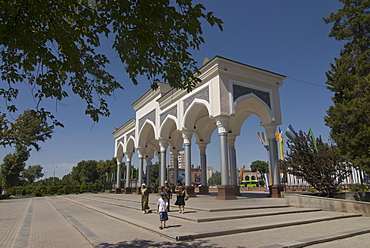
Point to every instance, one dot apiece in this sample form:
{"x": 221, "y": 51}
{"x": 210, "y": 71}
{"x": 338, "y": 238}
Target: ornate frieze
{"x": 150, "y": 116}
{"x": 132, "y": 133}
{"x": 203, "y": 94}
{"x": 172, "y": 111}
{"x": 239, "y": 90}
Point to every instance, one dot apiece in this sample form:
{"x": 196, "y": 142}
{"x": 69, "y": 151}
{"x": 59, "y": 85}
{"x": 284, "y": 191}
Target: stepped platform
{"x": 111, "y": 220}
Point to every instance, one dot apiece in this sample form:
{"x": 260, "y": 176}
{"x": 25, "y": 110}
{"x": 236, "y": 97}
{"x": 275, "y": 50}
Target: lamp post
{"x": 54, "y": 167}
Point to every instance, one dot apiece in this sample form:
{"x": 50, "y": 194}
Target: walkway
{"x": 109, "y": 220}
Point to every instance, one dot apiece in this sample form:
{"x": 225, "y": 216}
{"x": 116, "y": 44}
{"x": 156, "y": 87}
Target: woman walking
{"x": 168, "y": 190}
{"x": 180, "y": 192}
{"x": 144, "y": 198}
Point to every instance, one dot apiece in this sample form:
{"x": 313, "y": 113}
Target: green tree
{"x": 32, "y": 173}
{"x": 215, "y": 179}
{"x": 52, "y": 47}
{"x": 85, "y": 172}
{"x": 154, "y": 175}
{"x": 107, "y": 166}
{"x": 260, "y": 166}
{"x": 12, "y": 166}
{"x": 28, "y": 130}
{"x": 323, "y": 168}
{"x": 348, "y": 78}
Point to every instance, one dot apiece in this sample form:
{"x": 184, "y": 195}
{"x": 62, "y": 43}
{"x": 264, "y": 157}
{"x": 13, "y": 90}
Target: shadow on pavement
{"x": 139, "y": 243}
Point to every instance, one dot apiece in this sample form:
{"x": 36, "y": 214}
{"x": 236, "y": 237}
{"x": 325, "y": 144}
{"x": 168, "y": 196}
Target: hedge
{"x": 53, "y": 190}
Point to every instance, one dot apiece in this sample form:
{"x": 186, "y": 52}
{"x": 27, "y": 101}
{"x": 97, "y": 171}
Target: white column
{"x": 232, "y": 154}
{"x": 175, "y": 156}
{"x": 203, "y": 162}
{"x": 128, "y": 169}
{"x": 148, "y": 163}
{"x": 141, "y": 152}
{"x": 222, "y": 123}
{"x": 119, "y": 162}
{"x": 273, "y": 150}
{"x": 187, "y": 135}
{"x": 163, "y": 144}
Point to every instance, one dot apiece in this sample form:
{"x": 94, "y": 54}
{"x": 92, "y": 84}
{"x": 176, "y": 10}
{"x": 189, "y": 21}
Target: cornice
{"x": 129, "y": 125}
{"x": 151, "y": 94}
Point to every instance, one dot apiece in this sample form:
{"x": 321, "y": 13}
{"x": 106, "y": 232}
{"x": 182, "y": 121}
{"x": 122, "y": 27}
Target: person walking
{"x": 144, "y": 198}
{"x": 162, "y": 208}
{"x": 168, "y": 190}
{"x": 180, "y": 200}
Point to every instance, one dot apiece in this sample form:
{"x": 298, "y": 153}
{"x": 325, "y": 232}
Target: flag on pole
{"x": 313, "y": 140}
{"x": 279, "y": 138}
{"x": 261, "y": 139}
{"x": 290, "y": 133}
{"x": 265, "y": 139}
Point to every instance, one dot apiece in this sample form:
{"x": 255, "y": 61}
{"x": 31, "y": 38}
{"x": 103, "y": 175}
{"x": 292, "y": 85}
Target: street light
{"x": 54, "y": 167}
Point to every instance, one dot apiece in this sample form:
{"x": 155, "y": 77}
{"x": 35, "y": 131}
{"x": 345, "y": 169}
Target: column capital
{"x": 222, "y": 123}
{"x": 163, "y": 144}
{"x": 129, "y": 156}
{"x": 187, "y": 134}
{"x": 202, "y": 147}
{"x": 140, "y": 151}
{"x": 175, "y": 152}
{"x": 119, "y": 159}
{"x": 270, "y": 129}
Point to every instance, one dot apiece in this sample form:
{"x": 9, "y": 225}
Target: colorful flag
{"x": 290, "y": 133}
{"x": 265, "y": 139}
{"x": 261, "y": 139}
{"x": 281, "y": 144}
{"x": 313, "y": 140}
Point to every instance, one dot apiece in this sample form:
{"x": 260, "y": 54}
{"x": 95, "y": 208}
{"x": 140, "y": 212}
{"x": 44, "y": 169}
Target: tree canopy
{"x": 32, "y": 173}
{"x": 260, "y": 166}
{"x": 318, "y": 163}
{"x": 349, "y": 79}
{"x": 28, "y": 130}
{"x": 12, "y": 166}
{"x": 53, "y": 47}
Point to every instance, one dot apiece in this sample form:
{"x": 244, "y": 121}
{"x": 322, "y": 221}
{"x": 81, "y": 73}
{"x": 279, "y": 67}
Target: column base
{"x": 275, "y": 191}
{"x": 118, "y": 191}
{"x": 128, "y": 190}
{"x": 190, "y": 190}
{"x": 138, "y": 190}
{"x": 237, "y": 190}
{"x": 226, "y": 192}
{"x": 203, "y": 190}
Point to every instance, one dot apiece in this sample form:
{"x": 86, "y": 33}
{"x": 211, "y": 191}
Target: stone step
{"x": 182, "y": 229}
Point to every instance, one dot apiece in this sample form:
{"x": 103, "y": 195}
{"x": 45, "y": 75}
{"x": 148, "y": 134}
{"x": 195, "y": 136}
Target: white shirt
{"x": 162, "y": 203}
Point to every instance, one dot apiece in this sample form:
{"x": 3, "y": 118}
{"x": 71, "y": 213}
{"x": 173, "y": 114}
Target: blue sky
{"x": 288, "y": 37}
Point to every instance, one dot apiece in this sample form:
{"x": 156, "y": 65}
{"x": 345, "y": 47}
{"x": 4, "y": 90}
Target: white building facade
{"x": 167, "y": 119}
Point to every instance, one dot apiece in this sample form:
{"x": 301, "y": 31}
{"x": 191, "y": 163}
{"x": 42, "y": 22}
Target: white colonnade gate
{"x": 167, "y": 119}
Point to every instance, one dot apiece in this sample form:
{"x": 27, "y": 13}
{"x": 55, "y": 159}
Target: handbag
{"x": 186, "y": 196}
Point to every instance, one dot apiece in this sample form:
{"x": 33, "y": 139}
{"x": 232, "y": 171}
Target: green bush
{"x": 5, "y": 196}
{"x": 358, "y": 188}
{"x": 59, "y": 190}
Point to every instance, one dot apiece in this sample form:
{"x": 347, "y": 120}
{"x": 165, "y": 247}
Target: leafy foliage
{"x": 52, "y": 47}
{"x": 32, "y": 173}
{"x": 154, "y": 176}
{"x": 108, "y": 166}
{"x": 261, "y": 166}
{"x": 324, "y": 169}
{"x": 85, "y": 172}
{"x": 215, "y": 179}
{"x": 12, "y": 166}
{"x": 349, "y": 79}
{"x": 27, "y": 130}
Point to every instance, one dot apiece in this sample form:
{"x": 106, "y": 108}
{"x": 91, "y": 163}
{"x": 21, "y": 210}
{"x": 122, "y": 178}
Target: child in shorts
{"x": 162, "y": 208}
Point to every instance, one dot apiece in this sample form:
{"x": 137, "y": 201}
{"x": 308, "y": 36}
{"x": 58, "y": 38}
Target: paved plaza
{"x": 116, "y": 220}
